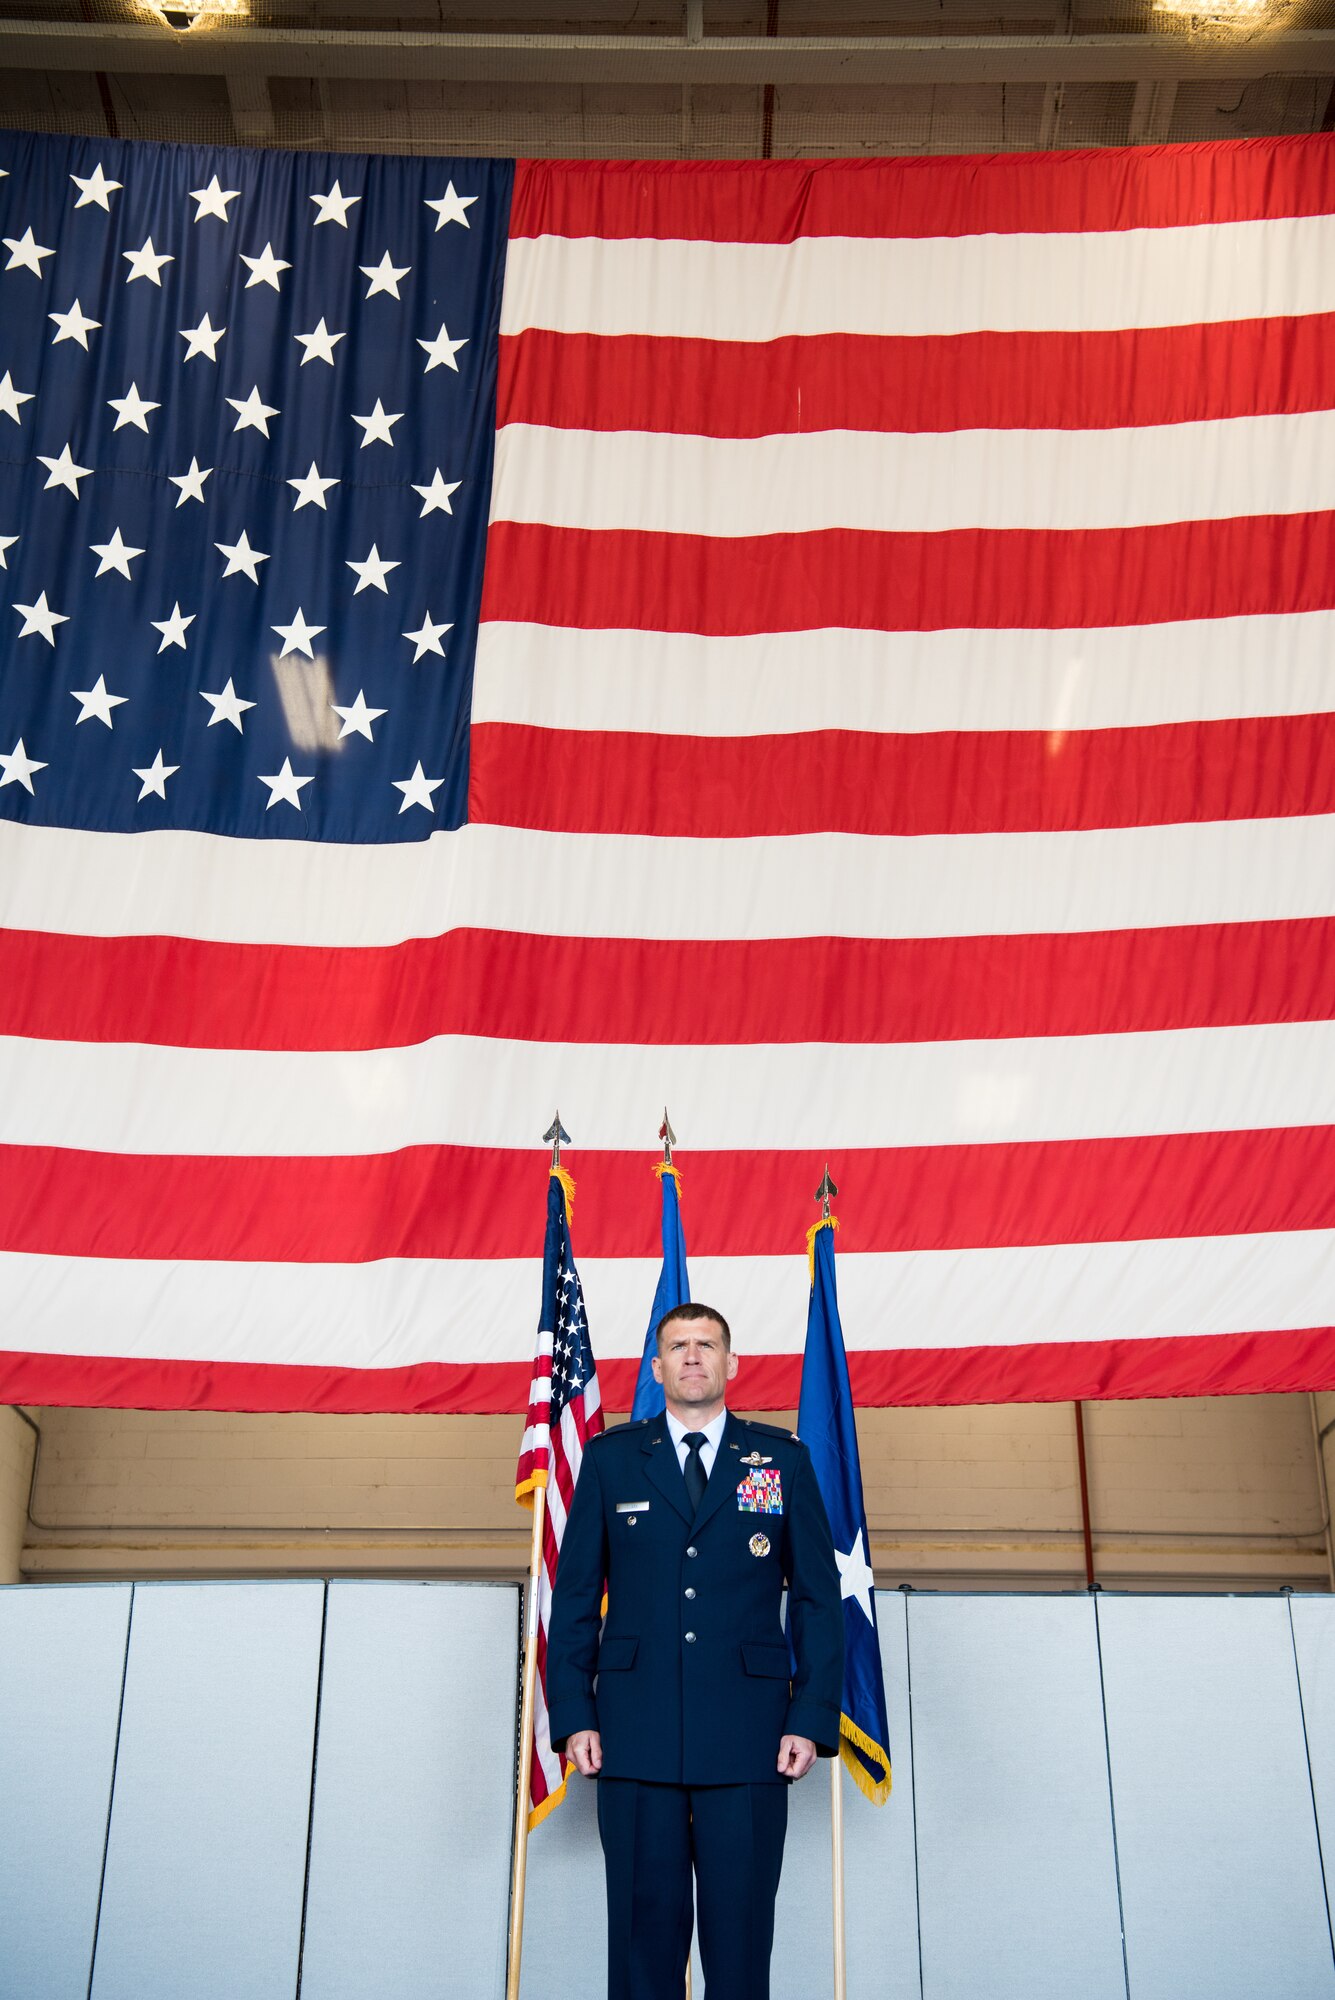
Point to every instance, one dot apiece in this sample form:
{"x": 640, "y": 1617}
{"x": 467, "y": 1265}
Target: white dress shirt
{"x": 713, "y": 1437}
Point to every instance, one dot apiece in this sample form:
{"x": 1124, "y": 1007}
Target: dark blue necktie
{"x": 694, "y": 1469}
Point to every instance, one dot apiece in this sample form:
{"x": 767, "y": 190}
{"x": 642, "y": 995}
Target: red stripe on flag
{"x": 845, "y": 781}
{"x": 186, "y": 993}
{"x": 773, "y": 201}
{"x": 633, "y": 580}
{"x": 445, "y": 1202}
{"x": 1196, "y": 1365}
{"x": 974, "y": 381}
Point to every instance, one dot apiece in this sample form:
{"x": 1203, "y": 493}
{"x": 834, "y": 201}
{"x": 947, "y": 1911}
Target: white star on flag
{"x": 855, "y": 1576}
{"x": 252, "y": 413}
{"x": 441, "y": 351}
{"x": 154, "y": 778}
{"x": 10, "y": 397}
{"x": 427, "y": 637}
{"x": 146, "y": 263}
{"x": 334, "y": 206}
{"x": 311, "y": 489}
{"x": 19, "y": 767}
{"x": 371, "y": 574}
{"x": 358, "y": 717}
{"x": 376, "y": 426}
{"x": 25, "y": 252}
{"x": 451, "y": 206}
{"x": 115, "y": 554}
{"x": 384, "y": 276}
{"x": 417, "y": 790}
{"x": 191, "y": 483}
{"x": 6, "y": 542}
{"x": 212, "y": 200}
{"x": 436, "y": 495}
{"x": 41, "y": 620}
{"x": 241, "y": 558}
{"x": 297, "y": 636}
{"x": 95, "y": 189}
{"x": 227, "y": 707}
{"x": 173, "y": 627}
{"x": 64, "y": 472}
{"x": 131, "y": 408}
{"x": 203, "y": 339}
{"x": 320, "y": 344}
{"x": 95, "y": 701}
{"x": 284, "y": 785}
{"x": 73, "y": 325}
{"x": 266, "y": 268}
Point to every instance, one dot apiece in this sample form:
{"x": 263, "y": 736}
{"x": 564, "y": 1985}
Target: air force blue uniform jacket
{"x": 692, "y": 1683}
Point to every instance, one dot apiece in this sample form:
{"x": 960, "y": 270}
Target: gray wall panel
{"x": 1221, "y": 1882}
{"x": 881, "y": 1931}
{"x": 62, "y": 1653}
{"x": 1314, "y": 1645}
{"x": 1016, "y": 1875}
{"x": 565, "y": 1910}
{"x": 409, "y": 1877}
{"x": 207, "y": 1850}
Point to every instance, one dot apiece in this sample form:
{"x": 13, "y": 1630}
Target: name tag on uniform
{"x": 632, "y": 1506}
{"x": 761, "y": 1492}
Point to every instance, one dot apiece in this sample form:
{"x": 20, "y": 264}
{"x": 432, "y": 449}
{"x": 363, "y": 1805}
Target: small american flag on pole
{"x": 564, "y": 1412}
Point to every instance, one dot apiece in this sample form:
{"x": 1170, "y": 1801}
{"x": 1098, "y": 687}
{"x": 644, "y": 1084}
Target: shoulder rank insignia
{"x": 754, "y": 1458}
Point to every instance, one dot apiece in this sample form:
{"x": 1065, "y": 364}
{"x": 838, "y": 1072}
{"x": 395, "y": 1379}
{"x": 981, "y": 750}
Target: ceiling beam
{"x": 649, "y": 59}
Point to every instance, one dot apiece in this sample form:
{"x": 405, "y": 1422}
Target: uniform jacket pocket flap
{"x": 617, "y": 1653}
{"x": 771, "y": 1661}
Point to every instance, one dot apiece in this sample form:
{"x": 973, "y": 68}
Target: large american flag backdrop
{"x": 846, "y": 651}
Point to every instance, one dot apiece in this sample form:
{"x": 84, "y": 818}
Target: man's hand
{"x": 797, "y": 1754}
{"x": 586, "y": 1747}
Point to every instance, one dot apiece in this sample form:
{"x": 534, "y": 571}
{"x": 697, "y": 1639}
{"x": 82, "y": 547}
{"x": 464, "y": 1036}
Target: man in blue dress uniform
{"x": 699, "y": 1717}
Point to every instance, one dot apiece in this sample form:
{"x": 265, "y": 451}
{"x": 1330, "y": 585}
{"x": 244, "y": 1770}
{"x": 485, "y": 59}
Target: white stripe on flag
{"x": 659, "y": 482}
{"x": 398, "y": 1312}
{"x": 1204, "y": 272}
{"x": 785, "y": 683}
{"x": 463, "y": 1091}
{"x": 594, "y": 885}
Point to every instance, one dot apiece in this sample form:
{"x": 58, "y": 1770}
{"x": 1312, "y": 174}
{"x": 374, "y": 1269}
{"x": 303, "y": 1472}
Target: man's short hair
{"x": 692, "y": 1309}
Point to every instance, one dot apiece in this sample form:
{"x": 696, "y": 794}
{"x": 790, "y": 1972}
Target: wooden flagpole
{"x": 518, "y": 1877}
{"x": 837, "y": 1871}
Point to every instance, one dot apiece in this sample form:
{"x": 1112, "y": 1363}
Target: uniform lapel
{"x": 662, "y": 1470}
{"x": 725, "y": 1473}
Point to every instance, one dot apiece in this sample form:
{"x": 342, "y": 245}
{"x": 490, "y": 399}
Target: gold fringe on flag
{"x": 826, "y": 1222}
{"x": 661, "y": 1167}
{"x": 560, "y": 1174}
{"x": 875, "y": 1789}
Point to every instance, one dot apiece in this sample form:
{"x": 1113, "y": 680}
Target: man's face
{"x": 693, "y": 1365}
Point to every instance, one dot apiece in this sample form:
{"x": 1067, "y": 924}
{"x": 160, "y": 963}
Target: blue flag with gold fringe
{"x": 826, "y": 1426}
{"x": 674, "y": 1289}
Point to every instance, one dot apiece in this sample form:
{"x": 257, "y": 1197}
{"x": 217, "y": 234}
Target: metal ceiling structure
{"x": 669, "y": 78}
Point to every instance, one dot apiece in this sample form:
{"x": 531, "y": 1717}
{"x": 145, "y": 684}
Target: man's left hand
{"x": 797, "y": 1754}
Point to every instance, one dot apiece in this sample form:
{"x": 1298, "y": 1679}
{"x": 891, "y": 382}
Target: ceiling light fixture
{"x": 1240, "y": 14}
{"x": 183, "y": 15}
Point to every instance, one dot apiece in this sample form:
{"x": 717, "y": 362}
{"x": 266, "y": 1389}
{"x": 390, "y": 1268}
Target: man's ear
{"x": 657, "y": 1367}
{"x": 732, "y": 1364}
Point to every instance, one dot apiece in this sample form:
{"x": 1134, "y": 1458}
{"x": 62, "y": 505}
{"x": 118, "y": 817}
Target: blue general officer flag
{"x": 826, "y": 1426}
{"x": 674, "y": 1289}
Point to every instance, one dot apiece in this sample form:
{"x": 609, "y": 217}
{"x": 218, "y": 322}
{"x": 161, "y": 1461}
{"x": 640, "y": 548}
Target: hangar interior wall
{"x": 1212, "y": 1493}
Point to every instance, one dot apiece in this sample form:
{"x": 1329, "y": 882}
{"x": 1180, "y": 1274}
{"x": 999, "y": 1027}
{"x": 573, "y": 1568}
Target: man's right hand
{"x": 586, "y": 1747}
